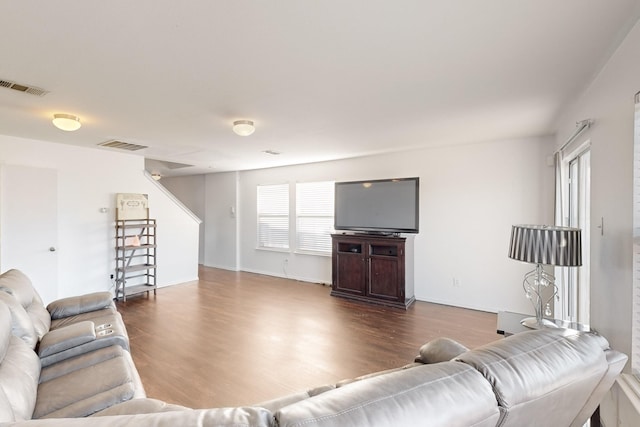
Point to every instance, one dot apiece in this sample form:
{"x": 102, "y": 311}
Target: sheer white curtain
{"x": 572, "y": 209}
{"x": 635, "y": 337}
{"x": 561, "y": 219}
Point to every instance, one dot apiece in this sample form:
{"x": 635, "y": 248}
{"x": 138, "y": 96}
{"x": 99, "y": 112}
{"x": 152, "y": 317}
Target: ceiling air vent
{"x": 23, "y": 88}
{"x": 122, "y": 145}
{"x": 174, "y": 165}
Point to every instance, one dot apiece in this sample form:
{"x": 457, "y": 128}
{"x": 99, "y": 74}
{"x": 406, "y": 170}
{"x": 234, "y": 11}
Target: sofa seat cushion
{"x": 541, "y": 372}
{"x": 79, "y": 362}
{"x": 87, "y": 386}
{"x": 218, "y": 417}
{"x": 140, "y": 406}
{"x": 439, "y": 395}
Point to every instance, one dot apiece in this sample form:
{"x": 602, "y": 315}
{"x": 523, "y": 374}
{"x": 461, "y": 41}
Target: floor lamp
{"x": 544, "y": 245}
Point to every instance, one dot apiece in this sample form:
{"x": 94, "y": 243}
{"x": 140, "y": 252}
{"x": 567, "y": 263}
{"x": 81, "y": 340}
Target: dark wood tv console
{"x": 372, "y": 268}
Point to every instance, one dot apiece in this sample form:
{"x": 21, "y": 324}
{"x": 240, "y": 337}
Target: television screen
{"x": 384, "y": 205}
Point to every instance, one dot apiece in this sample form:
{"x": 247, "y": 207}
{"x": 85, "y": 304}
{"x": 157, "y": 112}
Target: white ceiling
{"x": 322, "y": 79}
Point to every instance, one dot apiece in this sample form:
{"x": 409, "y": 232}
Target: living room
{"x": 471, "y": 194}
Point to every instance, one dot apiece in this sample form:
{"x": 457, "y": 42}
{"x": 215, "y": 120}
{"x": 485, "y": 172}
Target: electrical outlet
{"x": 456, "y": 282}
{"x": 112, "y": 277}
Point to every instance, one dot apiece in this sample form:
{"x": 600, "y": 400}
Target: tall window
{"x": 273, "y": 216}
{"x": 314, "y": 216}
{"x": 578, "y": 283}
{"x": 573, "y": 198}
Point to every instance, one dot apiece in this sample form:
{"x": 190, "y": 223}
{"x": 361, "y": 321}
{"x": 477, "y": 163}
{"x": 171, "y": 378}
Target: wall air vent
{"x": 122, "y": 145}
{"x": 23, "y": 88}
{"x": 272, "y": 152}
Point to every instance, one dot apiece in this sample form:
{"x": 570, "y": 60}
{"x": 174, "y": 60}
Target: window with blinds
{"x": 635, "y": 338}
{"x": 314, "y": 216}
{"x": 273, "y": 216}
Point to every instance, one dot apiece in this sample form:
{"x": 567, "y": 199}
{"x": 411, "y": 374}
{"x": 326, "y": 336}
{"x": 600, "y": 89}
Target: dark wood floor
{"x": 233, "y": 338}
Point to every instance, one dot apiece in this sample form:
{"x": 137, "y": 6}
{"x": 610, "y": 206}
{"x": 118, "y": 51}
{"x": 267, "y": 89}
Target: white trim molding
{"x": 621, "y": 407}
{"x": 173, "y": 198}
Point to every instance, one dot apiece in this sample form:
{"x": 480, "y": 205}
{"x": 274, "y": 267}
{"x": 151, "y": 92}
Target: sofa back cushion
{"x": 547, "y": 375}
{"x": 19, "y": 373}
{"x": 445, "y": 394}
{"x": 21, "y": 324}
{"x": 6, "y": 412}
{"x": 18, "y": 284}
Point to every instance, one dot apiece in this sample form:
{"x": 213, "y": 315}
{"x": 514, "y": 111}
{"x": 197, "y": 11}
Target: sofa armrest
{"x": 70, "y": 336}
{"x": 440, "y": 350}
{"x": 73, "y": 306}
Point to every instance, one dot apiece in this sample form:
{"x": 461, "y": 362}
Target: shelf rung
{"x": 138, "y": 267}
{"x": 131, "y": 248}
{"x": 129, "y": 226}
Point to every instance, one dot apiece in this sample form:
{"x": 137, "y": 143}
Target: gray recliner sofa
{"x": 66, "y": 327}
{"x": 76, "y": 350}
{"x": 551, "y": 377}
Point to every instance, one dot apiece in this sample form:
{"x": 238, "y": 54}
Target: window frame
{"x": 273, "y": 213}
{"x": 327, "y": 214}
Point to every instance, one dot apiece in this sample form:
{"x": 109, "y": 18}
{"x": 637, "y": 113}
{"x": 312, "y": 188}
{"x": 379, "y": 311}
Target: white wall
{"x": 221, "y": 221}
{"x": 609, "y": 101}
{"x": 470, "y": 197}
{"x": 89, "y": 179}
{"x": 213, "y": 197}
{"x": 190, "y": 190}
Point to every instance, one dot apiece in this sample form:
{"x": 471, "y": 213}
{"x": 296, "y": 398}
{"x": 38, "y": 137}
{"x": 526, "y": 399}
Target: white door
{"x": 29, "y": 225}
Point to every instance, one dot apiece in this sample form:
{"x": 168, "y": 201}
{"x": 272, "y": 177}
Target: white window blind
{"x": 635, "y": 338}
{"x": 314, "y": 216}
{"x": 273, "y": 216}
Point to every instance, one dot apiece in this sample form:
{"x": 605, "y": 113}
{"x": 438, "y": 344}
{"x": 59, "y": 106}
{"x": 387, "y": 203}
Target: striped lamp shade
{"x": 545, "y": 244}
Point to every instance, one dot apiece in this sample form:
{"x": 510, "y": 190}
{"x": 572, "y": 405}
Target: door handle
{"x": 52, "y": 249}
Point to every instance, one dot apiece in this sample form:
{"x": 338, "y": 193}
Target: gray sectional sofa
{"x": 552, "y": 377}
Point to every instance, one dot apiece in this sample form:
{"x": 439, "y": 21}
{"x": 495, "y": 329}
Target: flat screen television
{"x": 386, "y": 206}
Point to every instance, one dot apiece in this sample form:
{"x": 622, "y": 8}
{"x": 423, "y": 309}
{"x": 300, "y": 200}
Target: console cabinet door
{"x": 350, "y": 274}
{"x": 383, "y": 278}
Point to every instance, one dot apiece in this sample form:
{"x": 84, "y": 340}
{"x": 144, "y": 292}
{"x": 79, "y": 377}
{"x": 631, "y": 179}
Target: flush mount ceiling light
{"x": 66, "y": 122}
{"x": 243, "y": 127}
{"x": 156, "y": 176}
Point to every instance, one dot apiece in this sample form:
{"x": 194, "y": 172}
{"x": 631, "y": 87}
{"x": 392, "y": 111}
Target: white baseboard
{"x": 283, "y": 276}
{"x": 222, "y": 267}
{"x": 457, "y": 304}
{"x": 177, "y": 282}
